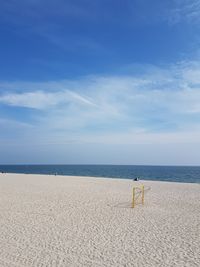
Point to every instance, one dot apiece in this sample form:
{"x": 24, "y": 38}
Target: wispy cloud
{"x": 185, "y": 10}
{"x": 43, "y": 100}
{"x": 163, "y": 104}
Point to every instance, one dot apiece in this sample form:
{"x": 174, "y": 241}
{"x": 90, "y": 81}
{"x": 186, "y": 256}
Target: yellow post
{"x": 133, "y": 200}
{"x": 142, "y": 194}
{"x": 141, "y": 191}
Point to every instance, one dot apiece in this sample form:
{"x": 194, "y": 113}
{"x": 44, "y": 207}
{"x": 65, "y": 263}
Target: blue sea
{"x": 158, "y": 173}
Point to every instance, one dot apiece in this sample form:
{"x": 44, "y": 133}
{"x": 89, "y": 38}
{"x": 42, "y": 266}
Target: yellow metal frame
{"x": 141, "y": 188}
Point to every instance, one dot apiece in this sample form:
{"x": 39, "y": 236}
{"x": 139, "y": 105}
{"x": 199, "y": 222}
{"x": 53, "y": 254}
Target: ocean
{"x": 184, "y": 174}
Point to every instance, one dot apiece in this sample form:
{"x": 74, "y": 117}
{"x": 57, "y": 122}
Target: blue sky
{"x": 115, "y": 82}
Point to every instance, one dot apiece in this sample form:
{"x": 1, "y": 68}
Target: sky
{"x": 100, "y": 82}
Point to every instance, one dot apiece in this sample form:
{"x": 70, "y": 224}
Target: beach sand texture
{"x": 75, "y": 221}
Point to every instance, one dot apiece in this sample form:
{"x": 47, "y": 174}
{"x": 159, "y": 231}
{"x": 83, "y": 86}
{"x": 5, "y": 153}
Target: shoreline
{"x": 97, "y": 177}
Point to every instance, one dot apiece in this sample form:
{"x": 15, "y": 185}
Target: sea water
{"x": 160, "y": 173}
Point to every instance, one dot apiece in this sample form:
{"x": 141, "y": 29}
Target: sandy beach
{"x": 79, "y": 221}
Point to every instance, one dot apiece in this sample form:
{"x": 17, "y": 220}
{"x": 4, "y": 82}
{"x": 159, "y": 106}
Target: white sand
{"x": 76, "y": 221}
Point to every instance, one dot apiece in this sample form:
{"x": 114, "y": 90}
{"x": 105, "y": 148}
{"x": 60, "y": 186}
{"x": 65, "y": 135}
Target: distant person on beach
{"x": 136, "y": 179}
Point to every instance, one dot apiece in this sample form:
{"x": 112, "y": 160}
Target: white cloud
{"x": 43, "y": 100}
{"x": 162, "y": 105}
